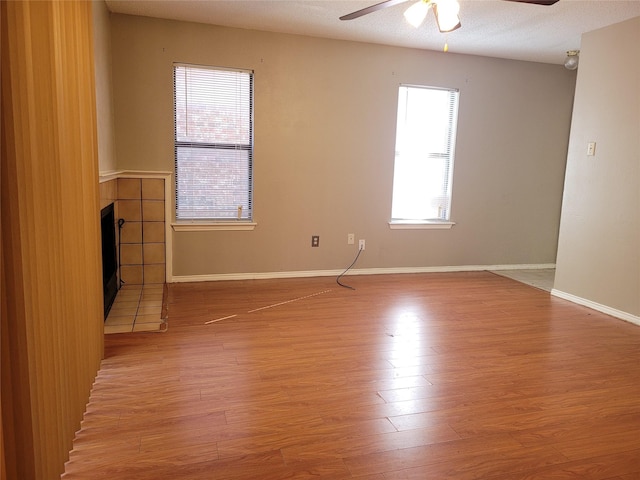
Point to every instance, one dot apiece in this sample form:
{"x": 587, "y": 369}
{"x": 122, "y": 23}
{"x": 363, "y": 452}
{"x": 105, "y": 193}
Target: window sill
{"x": 420, "y": 225}
{"x": 204, "y": 226}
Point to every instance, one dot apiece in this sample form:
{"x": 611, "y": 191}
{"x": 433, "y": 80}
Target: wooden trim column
{"x": 52, "y": 330}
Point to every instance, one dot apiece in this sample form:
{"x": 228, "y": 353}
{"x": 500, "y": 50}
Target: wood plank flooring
{"x": 427, "y": 376}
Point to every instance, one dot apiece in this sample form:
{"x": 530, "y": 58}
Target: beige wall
{"x": 599, "y": 246}
{"x": 324, "y": 148}
{"x": 104, "y": 94}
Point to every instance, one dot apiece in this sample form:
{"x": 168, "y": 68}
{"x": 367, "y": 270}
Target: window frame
{"x": 215, "y": 223}
{"x": 451, "y": 128}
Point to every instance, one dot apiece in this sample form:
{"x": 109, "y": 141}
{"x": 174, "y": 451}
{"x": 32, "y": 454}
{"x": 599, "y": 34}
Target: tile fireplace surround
{"x": 141, "y": 244}
{"x": 137, "y": 308}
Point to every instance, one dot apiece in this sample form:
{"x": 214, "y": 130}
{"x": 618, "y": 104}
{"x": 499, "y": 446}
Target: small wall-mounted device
{"x": 315, "y": 241}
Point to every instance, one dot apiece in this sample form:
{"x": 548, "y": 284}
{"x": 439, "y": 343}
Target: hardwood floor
{"x": 429, "y": 376}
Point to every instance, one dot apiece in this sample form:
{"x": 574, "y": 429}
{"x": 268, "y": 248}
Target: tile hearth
{"x": 137, "y": 308}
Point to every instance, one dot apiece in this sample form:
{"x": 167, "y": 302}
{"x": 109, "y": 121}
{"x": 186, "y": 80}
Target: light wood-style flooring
{"x": 427, "y": 376}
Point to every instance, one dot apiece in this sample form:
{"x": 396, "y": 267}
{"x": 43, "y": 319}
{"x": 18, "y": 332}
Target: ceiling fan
{"x": 446, "y": 11}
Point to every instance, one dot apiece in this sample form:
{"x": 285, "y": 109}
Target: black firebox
{"x": 109, "y": 258}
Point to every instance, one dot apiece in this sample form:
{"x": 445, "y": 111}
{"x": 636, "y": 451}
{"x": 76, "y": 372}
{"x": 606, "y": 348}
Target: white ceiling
{"x": 494, "y": 28}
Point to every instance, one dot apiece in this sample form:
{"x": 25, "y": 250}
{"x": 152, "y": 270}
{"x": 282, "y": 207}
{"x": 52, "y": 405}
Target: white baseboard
{"x": 357, "y": 271}
{"x": 597, "y": 306}
{"x": 532, "y": 266}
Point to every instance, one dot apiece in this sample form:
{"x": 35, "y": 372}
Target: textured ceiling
{"x": 494, "y": 28}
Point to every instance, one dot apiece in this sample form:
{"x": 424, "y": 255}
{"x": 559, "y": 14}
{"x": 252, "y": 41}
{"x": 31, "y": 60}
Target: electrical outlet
{"x": 591, "y": 149}
{"x": 315, "y": 241}
{"x": 351, "y": 238}
{"x": 360, "y": 244}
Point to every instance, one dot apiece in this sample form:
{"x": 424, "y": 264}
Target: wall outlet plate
{"x": 361, "y": 244}
{"x": 315, "y": 241}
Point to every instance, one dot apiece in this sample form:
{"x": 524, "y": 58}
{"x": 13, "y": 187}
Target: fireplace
{"x": 109, "y": 258}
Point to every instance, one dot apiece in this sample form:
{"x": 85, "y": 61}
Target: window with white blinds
{"x": 425, "y": 141}
{"x": 213, "y": 143}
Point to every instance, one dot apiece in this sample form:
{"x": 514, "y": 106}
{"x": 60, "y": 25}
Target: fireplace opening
{"x": 109, "y": 258}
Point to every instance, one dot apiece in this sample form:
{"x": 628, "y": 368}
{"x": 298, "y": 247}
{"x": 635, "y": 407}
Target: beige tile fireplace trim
{"x": 138, "y": 174}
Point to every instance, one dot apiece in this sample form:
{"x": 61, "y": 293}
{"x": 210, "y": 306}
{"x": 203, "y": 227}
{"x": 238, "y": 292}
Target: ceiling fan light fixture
{"x": 417, "y": 12}
{"x": 571, "y": 62}
{"x": 446, "y": 12}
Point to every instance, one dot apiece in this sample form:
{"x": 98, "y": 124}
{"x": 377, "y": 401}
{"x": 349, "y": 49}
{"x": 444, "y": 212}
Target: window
{"x": 425, "y": 140}
{"x": 213, "y": 143}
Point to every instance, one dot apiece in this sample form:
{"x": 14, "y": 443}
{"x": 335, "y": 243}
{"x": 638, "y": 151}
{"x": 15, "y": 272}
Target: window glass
{"x": 213, "y": 143}
{"x": 425, "y": 140}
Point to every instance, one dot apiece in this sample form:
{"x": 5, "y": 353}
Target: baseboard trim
{"x": 357, "y": 271}
{"x": 597, "y": 306}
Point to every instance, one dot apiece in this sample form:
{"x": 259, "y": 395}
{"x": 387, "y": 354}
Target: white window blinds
{"x": 213, "y": 143}
{"x": 425, "y": 140}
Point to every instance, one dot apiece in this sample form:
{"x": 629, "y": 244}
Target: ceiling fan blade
{"x": 536, "y": 2}
{"x": 372, "y": 8}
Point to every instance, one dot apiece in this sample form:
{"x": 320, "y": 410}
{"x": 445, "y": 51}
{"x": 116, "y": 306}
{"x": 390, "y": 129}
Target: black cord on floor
{"x": 348, "y": 268}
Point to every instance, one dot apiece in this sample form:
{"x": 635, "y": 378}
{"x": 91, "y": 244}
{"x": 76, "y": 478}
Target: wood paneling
{"x": 434, "y": 376}
{"x": 51, "y": 292}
